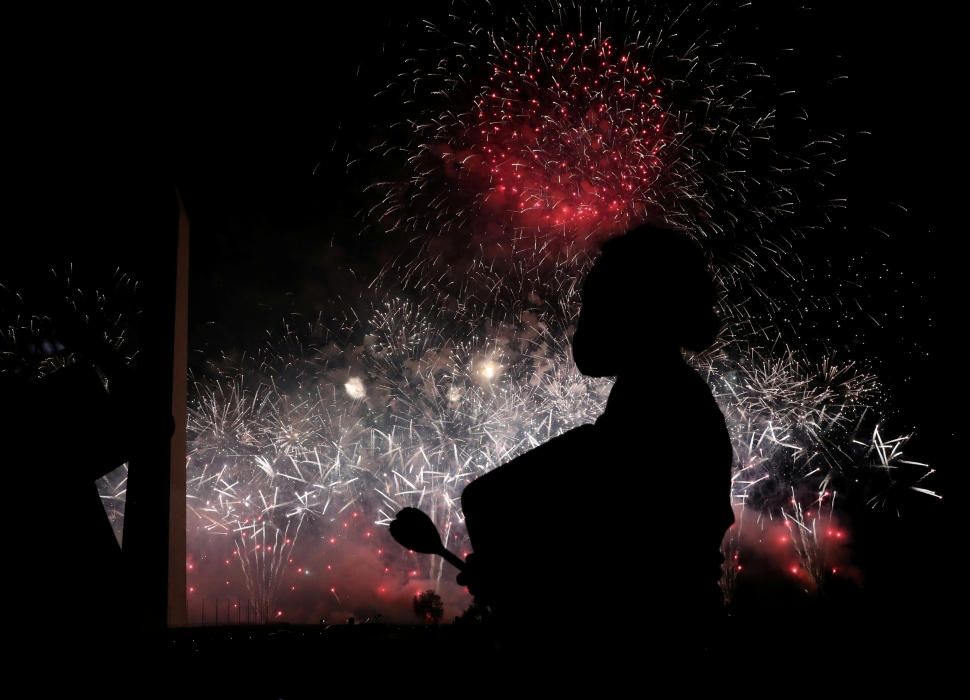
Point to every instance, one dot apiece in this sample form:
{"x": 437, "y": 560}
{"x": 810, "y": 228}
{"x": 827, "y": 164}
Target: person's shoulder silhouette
{"x": 633, "y": 508}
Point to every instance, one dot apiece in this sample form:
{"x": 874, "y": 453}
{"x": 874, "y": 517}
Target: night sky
{"x": 276, "y": 124}
{"x": 267, "y": 125}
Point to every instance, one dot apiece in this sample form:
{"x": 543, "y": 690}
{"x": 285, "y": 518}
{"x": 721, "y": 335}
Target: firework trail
{"x": 94, "y": 314}
{"x": 407, "y": 417}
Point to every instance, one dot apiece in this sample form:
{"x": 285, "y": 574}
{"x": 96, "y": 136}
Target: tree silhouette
{"x": 475, "y": 614}
{"x": 428, "y": 607}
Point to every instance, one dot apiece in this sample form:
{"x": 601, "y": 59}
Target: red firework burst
{"x": 565, "y": 139}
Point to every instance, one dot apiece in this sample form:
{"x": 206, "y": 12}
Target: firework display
{"x": 522, "y": 141}
{"x": 527, "y": 140}
{"x": 334, "y": 431}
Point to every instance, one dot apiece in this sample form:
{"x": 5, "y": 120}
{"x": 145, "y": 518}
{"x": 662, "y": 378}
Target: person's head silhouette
{"x": 648, "y": 295}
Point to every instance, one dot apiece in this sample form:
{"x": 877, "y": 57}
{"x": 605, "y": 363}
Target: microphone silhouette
{"x": 413, "y": 529}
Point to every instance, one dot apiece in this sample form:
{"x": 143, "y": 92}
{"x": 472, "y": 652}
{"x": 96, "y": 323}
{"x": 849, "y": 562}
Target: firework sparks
{"x": 432, "y": 423}
{"x": 529, "y": 139}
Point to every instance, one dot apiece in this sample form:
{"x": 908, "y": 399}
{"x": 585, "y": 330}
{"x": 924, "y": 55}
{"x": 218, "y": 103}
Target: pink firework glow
{"x": 565, "y": 138}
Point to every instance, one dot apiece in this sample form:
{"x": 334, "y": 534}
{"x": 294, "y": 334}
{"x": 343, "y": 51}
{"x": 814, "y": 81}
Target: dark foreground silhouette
{"x": 617, "y": 524}
{"x": 67, "y": 430}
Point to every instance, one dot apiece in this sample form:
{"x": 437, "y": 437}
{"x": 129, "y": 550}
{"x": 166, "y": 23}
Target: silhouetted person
{"x": 605, "y": 541}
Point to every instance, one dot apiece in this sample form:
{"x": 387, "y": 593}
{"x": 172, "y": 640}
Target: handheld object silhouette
{"x": 413, "y": 529}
